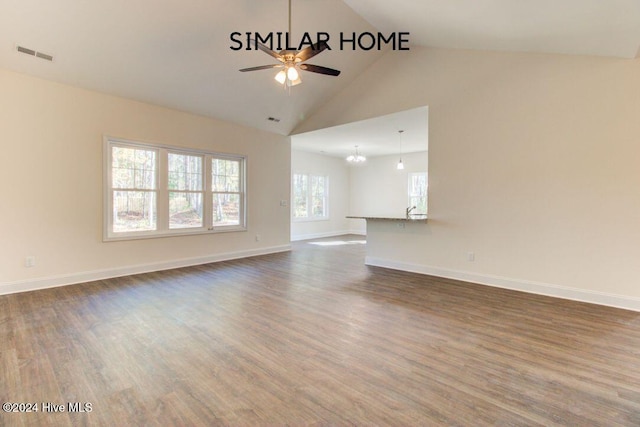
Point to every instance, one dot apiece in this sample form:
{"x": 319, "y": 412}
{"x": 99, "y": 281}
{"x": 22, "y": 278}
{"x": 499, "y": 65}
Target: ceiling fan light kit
{"x": 281, "y": 77}
{"x": 292, "y": 73}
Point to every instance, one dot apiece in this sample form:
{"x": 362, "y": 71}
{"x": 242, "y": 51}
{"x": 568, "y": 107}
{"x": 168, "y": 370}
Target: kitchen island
{"x": 387, "y": 235}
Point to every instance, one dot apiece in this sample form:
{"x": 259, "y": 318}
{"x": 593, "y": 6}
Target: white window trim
{"x": 162, "y": 192}
{"x": 309, "y": 201}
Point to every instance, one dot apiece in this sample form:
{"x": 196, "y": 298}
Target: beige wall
{"x": 51, "y": 174}
{"x": 534, "y": 166}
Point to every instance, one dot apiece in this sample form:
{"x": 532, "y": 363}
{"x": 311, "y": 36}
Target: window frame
{"x": 162, "y": 191}
{"x": 309, "y": 197}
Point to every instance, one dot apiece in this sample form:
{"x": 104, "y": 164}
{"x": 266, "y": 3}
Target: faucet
{"x": 408, "y": 211}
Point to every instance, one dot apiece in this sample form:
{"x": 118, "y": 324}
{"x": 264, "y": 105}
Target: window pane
{"x": 418, "y": 191}
{"x": 185, "y": 210}
{"x": 418, "y": 184}
{"x": 300, "y": 209}
{"x": 420, "y": 203}
{"x": 134, "y": 211}
{"x": 226, "y": 209}
{"x": 318, "y": 192}
{"x": 225, "y": 175}
{"x": 185, "y": 172}
{"x": 133, "y": 168}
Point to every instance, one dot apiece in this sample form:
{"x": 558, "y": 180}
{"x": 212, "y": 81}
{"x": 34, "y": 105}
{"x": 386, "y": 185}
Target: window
{"x": 153, "y": 191}
{"x": 310, "y": 197}
{"x": 134, "y": 189}
{"x": 226, "y": 191}
{"x": 185, "y": 191}
{"x": 418, "y": 192}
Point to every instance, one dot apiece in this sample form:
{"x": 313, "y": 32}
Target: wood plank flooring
{"x": 314, "y": 337}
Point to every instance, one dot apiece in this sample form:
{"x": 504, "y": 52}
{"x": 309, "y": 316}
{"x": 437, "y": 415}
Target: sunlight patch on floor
{"x": 339, "y": 242}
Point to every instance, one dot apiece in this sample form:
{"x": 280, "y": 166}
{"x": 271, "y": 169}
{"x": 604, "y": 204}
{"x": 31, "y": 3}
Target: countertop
{"x": 419, "y": 218}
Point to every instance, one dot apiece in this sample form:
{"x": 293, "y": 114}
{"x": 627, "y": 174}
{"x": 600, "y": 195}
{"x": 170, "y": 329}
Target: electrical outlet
{"x": 283, "y": 203}
{"x": 257, "y": 237}
{"x": 30, "y": 261}
{"x": 471, "y": 256}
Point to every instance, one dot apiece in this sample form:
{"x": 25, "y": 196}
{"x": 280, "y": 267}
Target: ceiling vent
{"x": 32, "y": 52}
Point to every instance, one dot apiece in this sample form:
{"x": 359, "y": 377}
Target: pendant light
{"x": 400, "y": 164}
{"x": 356, "y": 157}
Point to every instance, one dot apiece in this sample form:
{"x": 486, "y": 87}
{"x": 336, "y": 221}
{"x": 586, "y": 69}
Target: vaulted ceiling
{"x": 177, "y": 54}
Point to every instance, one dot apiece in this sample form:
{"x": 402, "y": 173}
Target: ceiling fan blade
{"x": 265, "y": 49}
{"x": 262, "y": 67}
{"x": 311, "y": 51}
{"x": 319, "y": 69}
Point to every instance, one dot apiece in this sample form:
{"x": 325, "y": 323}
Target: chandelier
{"x": 356, "y": 157}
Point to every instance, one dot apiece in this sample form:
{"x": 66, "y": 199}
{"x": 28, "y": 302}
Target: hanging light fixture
{"x": 400, "y": 164}
{"x": 356, "y": 157}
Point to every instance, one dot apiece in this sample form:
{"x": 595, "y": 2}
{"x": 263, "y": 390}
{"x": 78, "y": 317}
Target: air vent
{"x": 32, "y": 52}
{"x": 44, "y": 56}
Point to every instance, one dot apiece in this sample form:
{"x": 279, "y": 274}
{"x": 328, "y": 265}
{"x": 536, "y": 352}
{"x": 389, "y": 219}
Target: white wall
{"x": 533, "y": 166}
{"x": 336, "y": 169}
{"x": 51, "y": 203}
{"x": 378, "y": 188}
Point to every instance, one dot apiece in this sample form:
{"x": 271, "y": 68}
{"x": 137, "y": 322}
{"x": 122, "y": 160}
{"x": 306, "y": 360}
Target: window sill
{"x": 310, "y": 219}
{"x": 117, "y": 237}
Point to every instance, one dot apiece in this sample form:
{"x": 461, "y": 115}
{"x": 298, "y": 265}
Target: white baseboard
{"x": 594, "y": 297}
{"x": 297, "y": 237}
{"x": 89, "y": 276}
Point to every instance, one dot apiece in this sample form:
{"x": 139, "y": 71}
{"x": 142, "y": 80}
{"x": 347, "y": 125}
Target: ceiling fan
{"x": 291, "y": 61}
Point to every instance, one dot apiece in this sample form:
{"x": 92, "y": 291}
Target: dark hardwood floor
{"x": 314, "y": 337}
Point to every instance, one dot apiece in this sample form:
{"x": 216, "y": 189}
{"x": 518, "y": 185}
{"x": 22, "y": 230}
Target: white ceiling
{"x": 582, "y": 27}
{"x": 374, "y": 137}
{"x": 177, "y": 54}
